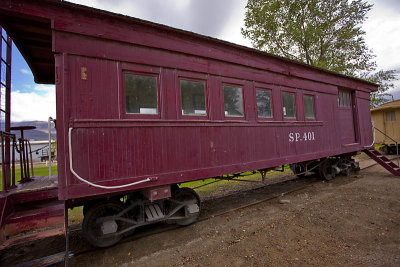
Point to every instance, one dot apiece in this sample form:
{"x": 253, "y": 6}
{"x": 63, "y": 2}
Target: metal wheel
{"x": 102, "y": 234}
{"x": 87, "y": 205}
{"x": 326, "y": 171}
{"x": 347, "y": 171}
{"x": 192, "y": 201}
{"x": 297, "y": 168}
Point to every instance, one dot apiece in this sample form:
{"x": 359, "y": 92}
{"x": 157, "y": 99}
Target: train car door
{"x": 346, "y": 117}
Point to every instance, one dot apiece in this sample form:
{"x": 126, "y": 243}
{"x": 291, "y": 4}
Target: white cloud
{"x": 182, "y": 3}
{"x": 43, "y": 87}
{"x": 32, "y": 105}
{"x": 232, "y": 33}
{"x": 382, "y": 35}
{"x": 120, "y": 7}
{"x": 25, "y": 71}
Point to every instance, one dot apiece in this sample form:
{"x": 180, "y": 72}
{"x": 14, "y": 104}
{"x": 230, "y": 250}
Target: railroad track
{"x": 239, "y": 200}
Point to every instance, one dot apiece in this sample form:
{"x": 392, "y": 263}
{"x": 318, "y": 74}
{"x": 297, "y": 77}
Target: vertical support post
{"x": 28, "y": 175}
{"x": 66, "y": 233}
{"x": 8, "y": 112}
{"x": 49, "y": 128}
{"x": 21, "y": 166}
{"x": 14, "y": 143}
{"x": 30, "y": 154}
{"x": 263, "y": 172}
{"x": 2, "y": 160}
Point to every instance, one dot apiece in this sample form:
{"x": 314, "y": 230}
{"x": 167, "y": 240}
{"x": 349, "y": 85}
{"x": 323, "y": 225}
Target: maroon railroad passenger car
{"x": 142, "y": 107}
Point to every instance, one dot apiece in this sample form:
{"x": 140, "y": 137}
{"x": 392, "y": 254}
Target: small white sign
{"x": 148, "y": 111}
{"x": 298, "y": 137}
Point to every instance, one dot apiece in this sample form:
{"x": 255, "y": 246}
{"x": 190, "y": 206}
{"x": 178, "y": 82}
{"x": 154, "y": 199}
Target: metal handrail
{"x": 8, "y": 175}
{"x": 397, "y": 144}
{"x": 24, "y": 149}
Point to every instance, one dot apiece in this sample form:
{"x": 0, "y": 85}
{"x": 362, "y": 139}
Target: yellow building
{"x": 386, "y": 118}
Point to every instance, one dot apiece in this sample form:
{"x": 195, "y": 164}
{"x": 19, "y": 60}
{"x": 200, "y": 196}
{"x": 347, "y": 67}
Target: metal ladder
{"x": 383, "y": 161}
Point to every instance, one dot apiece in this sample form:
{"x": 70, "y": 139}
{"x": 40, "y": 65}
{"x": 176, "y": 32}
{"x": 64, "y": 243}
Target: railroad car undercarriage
{"x": 107, "y": 221}
{"x": 327, "y": 168}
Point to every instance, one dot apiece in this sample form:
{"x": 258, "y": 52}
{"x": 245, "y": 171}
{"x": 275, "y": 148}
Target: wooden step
{"x": 31, "y": 217}
{"x": 36, "y": 213}
{"x": 383, "y": 161}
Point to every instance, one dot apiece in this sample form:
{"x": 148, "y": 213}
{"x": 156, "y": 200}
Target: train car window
{"x": 193, "y": 98}
{"x": 233, "y": 101}
{"x": 390, "y": 116}
{"x": 344, "y": 99}
{"x": 141, "y": 94}
{"x": 289, "y": 111}
{"x": 309, "y": 106}
{"x": 264, "y": 107}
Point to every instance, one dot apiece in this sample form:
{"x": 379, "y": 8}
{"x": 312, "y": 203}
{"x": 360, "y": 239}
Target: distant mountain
{"x": 39, "y": 134}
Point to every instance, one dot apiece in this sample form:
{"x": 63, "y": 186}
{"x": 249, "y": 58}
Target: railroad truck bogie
{"x": 107, "y": 221}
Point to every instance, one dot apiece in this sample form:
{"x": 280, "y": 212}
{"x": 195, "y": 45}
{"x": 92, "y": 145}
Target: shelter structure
{"x": 386, "y": 119}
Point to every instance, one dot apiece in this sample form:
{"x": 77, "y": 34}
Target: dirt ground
{"x": 348, "y": 221}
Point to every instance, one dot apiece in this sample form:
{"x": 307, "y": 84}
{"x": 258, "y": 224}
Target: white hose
{"x": 373, "y": 132}
{"x": 90, "y": 183}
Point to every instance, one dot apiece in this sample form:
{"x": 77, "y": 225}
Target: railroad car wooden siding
{"x": 93, "y": 51}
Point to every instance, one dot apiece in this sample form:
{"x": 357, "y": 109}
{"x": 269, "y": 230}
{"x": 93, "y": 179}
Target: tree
{"x": 385, "y": 81}
{"x": 325, "y": 34}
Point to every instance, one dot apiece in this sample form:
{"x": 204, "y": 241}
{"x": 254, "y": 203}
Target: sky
{"x": 220, "y": 19}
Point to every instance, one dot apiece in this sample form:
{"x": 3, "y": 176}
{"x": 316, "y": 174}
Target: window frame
{"x": 230, "y": 82}
{"x": 264, "y": 88}
{"x": 195, "y": 77}
{"x": 314, "y": 106}
{"x": 294, "y": 93}
{"x": 392, "y": 115}
{"x": 338, "y": 99}
{"x": 144, "y": 71}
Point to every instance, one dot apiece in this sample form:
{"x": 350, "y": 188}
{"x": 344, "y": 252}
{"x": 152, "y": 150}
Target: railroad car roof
{"x": 34, "y": 37}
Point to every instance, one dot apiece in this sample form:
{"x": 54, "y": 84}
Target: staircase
{"x": 382, "y": 160}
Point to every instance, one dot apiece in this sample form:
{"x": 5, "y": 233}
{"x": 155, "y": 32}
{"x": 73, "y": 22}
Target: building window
{"x": 233, "y": 101}
{"x": 344, "y": 99}
{"x": 141, "y": 94}
{"x": 289, "y": 111}
{"x": 309, "y": 106}
{"x": 193, "y": 98}
{"x": 264, "y": 107}
{"x": 390, "y": 115}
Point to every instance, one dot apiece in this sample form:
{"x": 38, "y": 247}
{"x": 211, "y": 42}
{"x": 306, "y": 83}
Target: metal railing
{"x": 8, "y": 175}
{"x": 25, "y": 159}
{"x": 397, "y": 145}
{"x": 10, "y": 145}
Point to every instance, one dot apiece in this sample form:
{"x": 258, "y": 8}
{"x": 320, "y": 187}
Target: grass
{"x": 224, "y": 184}
{"x": 377, "y": 146}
